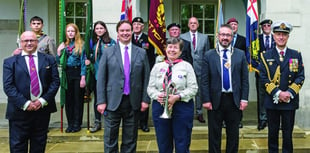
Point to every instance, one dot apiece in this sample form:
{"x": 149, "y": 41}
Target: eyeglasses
{"x": 266, "y": 25}
{"x": 225, "y": 35}
{"x": 29, "y": 40}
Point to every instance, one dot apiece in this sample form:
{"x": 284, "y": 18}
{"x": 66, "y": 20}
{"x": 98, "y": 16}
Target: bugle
{"x": 170, "y": 89}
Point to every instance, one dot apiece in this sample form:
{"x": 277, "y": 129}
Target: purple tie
{"x": 126, "y": 72}
{"x": 35, "y": 88}
{"x": 194, "y": 41}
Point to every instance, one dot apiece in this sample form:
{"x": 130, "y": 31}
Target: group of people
{"x": 127, "y": 79}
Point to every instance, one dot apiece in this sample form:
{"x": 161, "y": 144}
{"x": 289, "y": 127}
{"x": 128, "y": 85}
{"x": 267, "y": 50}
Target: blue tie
{"x": 226, "y": 81}
{"x": 267, "y": 46}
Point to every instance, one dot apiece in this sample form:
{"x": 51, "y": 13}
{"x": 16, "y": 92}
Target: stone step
{"x": 251, "y": 141}
{"x": 199, "y": 133}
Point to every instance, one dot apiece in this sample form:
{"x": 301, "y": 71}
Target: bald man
{"x": 30, "y": 81}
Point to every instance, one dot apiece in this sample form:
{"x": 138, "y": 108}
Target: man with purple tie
{"x": 122, "y": 82}
{"x": 30, "y": 81}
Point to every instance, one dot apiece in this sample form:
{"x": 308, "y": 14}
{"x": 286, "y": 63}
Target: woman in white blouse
{"x": 176, "y": 131}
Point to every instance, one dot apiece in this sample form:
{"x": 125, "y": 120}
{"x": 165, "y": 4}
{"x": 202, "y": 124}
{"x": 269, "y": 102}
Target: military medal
{"x": 281, "y": 59}
{"x": 293, "y": 65}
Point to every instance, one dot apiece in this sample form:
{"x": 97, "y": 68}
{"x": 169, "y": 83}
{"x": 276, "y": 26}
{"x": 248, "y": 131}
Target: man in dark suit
{"x": 140, "y": 39}
{"x": 266, "y": 42}
{"x": 224, "y": 90}
{"x": 282, "y": 73}
{"x": 30, "y": 81}
{"x": 239, "y": 42}
{"x": 174, "y": 30}
{"x": 199, "y": 46}
{"x": 121, "y": 88}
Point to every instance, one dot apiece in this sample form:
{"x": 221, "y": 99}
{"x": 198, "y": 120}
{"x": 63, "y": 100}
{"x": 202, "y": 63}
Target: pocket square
{"x": 47, "y": 67}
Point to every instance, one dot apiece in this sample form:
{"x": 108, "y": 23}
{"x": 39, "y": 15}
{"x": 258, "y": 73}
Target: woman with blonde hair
{"x": 72, "y": 48}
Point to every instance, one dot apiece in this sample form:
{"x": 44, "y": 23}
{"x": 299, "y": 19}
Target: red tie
{"x": 282, "y": 53}
{"x": 34, "y": 82}
{"x": 137, "y": 38}
{"x": 194, "y": 41}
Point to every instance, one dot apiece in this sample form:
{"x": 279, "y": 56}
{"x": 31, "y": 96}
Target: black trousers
{"x": 74, "y": 105}
{"x": 229, "y": 113}
{"x": 287, "y": 119}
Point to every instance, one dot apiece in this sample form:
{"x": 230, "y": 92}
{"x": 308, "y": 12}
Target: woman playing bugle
{"x": 178, "y": 77}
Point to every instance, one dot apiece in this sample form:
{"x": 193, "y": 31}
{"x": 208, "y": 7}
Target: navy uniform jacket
{"x": 291, "y": 77}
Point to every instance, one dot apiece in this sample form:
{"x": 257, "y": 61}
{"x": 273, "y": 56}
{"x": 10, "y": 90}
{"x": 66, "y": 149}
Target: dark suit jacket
{"x": 16, "y": 84}
{"x": 240, "y": 43}
{"x": 144, "y": 43}
{"x": 262, "y": 43}
{"x": 211, "y": 78}
{"x": 202, "y": 47}
{"x": 110, "y": 81}
{"x": 287, "y": 77}
{"x": 187, "y": 52}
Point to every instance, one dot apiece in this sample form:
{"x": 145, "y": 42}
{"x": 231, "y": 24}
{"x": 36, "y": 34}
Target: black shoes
{"x": 95, "y": 128}
{"x": 145, "y": 128}
{"x": 201, "y": 119}
{"x": 262, "y": 125}
{"x": 73, "y": 129}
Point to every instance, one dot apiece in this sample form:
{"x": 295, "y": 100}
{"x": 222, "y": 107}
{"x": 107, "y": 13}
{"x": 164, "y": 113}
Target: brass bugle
{"x": 170, "y": 89}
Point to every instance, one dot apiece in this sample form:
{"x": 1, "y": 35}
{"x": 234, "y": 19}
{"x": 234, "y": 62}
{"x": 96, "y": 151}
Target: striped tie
{"x": 35, "y": 87}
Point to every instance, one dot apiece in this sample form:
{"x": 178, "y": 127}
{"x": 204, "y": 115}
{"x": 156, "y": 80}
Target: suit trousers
{"x": 229, "y": 113}
{"x": 287, "y": 119}
{"x": 112, "y": 120}
{"x": 198, "y": 103}
{"x": 33, "y": 127}
{"x": 175, "y": 131}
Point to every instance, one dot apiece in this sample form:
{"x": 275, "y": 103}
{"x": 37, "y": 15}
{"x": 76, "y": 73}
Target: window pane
{"x": 198, "y": 11}
{"x": 70, "y": 9}
{"x": 184, "y": 27}
{"x": 209, "y": 26}
{"x": 185, "y": 11}
{"x": 80, "y": 9}
{"x": 200, "y": 28}
{"x": 209, "y": 11}
{"x": 69, "y": 20}
{"x": 81, "y": 23}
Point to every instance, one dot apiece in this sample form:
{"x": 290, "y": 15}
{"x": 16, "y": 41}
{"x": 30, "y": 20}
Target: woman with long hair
{"x": 99, "y": 42}
{"x": 72, "y": 48}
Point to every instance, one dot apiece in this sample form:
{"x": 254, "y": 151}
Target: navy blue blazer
{"x": 211, "y": 78}
{"x": 16, "y": 84}
{"x": 291, "y": 77}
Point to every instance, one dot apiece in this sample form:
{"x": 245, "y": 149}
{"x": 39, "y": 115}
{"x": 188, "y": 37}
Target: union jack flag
{"x": 126, "y": 12}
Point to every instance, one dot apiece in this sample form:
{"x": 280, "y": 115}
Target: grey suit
{"x": 202, "y": 46}
{"x": 110, "y": 85}
{"x": 225, "y": 105}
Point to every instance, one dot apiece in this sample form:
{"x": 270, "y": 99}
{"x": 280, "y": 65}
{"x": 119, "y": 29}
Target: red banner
{"x": 157, "y": 26}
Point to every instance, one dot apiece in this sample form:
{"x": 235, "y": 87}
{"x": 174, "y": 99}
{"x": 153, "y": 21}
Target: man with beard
{"x": 224, "y": 90}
